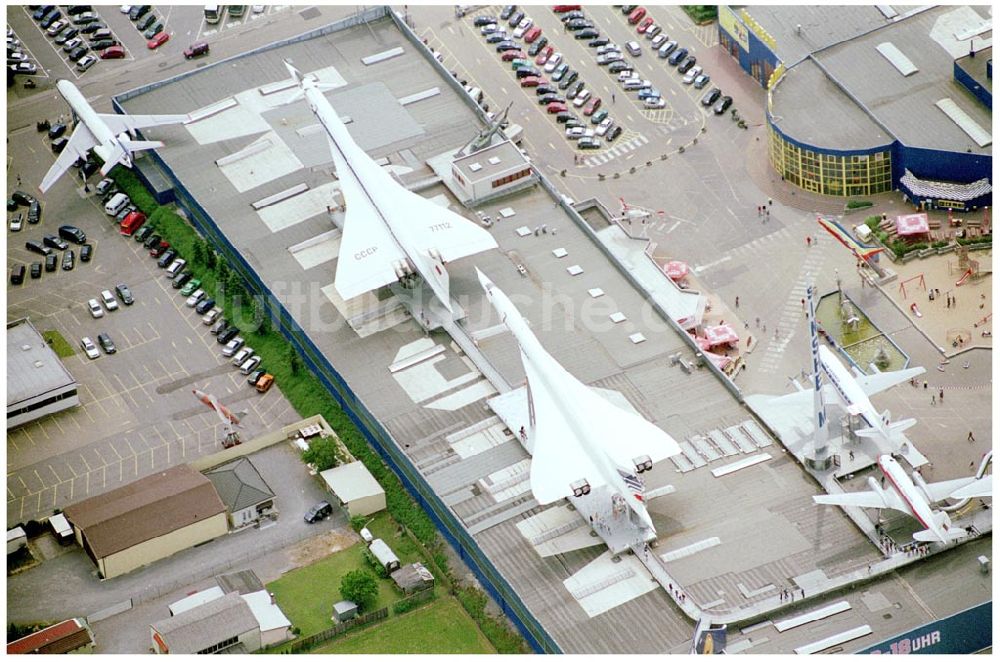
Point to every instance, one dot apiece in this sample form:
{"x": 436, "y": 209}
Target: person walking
{"x": 769, "y": 202}
{"x": 933, "y": 399}
{"x": 971, "y": 438}
{"x": 737, "y": 302}
{"x": 612, "y": 97}
{"x": 941, "y": 394}
{"x": 809, "y": 241}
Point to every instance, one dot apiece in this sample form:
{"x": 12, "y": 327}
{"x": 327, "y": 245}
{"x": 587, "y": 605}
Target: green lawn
{"x": 383, "y": 526}
{"x": 307, "y": 595}
{"x": 59, "y": 344}
{"x": 439, "y": 627}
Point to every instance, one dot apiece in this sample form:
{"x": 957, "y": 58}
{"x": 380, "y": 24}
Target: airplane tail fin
{"x": 944, "y": 527}
{"x": 139, "y": 145}
{"x": 298, "y": 78}
{"x": 888, "y": 431}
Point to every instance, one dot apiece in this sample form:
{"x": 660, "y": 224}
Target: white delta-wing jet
{"x": 580, "y": 440}
{"x": 108, "y": 134}
{"x": 913, "y": 497}
{"x": 389, "y": 232}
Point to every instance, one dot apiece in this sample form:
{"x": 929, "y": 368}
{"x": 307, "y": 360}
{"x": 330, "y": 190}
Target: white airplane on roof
{"x": 108, "y": 134}
{"x": 389, "y": 232}
{"x": 913, "y": 497}
{"x": 580, "y": 440}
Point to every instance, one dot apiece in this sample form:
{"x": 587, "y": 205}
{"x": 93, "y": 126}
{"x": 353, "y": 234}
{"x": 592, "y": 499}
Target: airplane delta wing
{"x": 981, "y": 487}
{"x": 453, "y": 236}
{"x": 882, "y": 381}
{"x": 81, "y": 141}
{"x": 557, "y": 462}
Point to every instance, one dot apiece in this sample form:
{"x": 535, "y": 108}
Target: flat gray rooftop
{"x": 435, "y": 408}
{"x": 33, "y": 368}
{"x": 821, "y": 25}
{"x": 814, "y": 100}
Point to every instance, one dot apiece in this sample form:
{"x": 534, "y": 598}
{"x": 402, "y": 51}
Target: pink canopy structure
{"x": 912, "y": 224}
{"x": 676, "y": 269}
{"x": 719, "y": 360}
{"x": 720, "y": 335}
{"x": 703, "y": 343}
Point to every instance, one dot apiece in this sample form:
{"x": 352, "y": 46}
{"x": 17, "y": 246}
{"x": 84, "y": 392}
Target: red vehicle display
{"x": 544, "y": 56}
{"x": 131, "y": 223}
{"x": 592, "y": 106}
{"x": 555, "y": 107}
{"x": 562, "y": 9}
{"x": 636, "y": 15}
{"x": 513, "y": 55}
{"x": 158, "y": 40}
{"x": 113, "y": 53}
{"x": 534, "y": 33}
{"x": 532, "y": 81}
{"x": 646, "y": 22}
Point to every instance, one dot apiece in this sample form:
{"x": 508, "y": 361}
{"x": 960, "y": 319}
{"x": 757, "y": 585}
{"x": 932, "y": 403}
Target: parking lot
{"x": 137, "y": 412}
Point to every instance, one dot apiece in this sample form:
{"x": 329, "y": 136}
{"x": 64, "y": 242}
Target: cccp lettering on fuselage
{"x": 360, "y": 255}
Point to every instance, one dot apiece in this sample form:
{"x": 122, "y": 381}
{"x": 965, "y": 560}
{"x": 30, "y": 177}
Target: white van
{"x": 175, "y": 266}
{"x": 110, "y": 302}
{"x": 116, "y": 204}
{"x": 636, "y": 84}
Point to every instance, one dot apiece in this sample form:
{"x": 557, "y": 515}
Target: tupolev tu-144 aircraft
{"x": 913, "y": 497}
{"x": 581, "y": 440}
{"x": 389, "y": 232}
{"x": 106, "y": 133}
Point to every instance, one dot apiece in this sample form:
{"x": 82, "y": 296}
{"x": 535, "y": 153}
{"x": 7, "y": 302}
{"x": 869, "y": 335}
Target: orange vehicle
{"x": 265, "y": 383}
{"x": 132, "y": 222}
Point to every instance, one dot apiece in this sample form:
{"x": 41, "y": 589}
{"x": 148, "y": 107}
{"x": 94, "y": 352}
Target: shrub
{"x": 360, "y": 587}
{"x": 940, "y": 244}
{"x": 873, "y": 223}
{"x": 375, "y": 564}
{"x": 858, "y": 204}
{"x": 414, "y": 601}
{"x": 323, "y": 453}
{"x": 358, "y": 522}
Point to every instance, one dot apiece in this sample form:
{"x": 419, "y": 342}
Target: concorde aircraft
{"x": 913, "y": 497}
{"x": 389, "y": 232}
{"x": 108, "y": 134}
{"x": 580, "y": 440}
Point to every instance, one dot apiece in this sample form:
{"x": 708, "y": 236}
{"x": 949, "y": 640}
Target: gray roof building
{"x": 38, "y": 383}
{"x": 209, "y": 628}
{"x": 239, "y": 484}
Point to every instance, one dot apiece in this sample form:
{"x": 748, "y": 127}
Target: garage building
{"x": 38, "y": 384}
{"x": 355, "y": 488}
{"x": 148, "y": 519}
{"x": 241, "y": 487}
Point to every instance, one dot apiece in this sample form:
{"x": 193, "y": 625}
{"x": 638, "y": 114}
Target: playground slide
{"x": 915, "y": 310}
{"x": 964, "y": 278}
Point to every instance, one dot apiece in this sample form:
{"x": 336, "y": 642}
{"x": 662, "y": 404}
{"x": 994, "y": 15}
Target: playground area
{"x": 954, "y": 316}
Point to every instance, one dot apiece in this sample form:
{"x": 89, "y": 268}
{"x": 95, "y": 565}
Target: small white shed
{"x": 344, "y": 610}
{"x": 355, "y": 488}
{"x": 385, "y": 555}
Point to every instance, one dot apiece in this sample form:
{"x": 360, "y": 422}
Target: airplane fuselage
{"x": 851, "y": 394}
{"x": 351, "y": 161}
{"x": 916, "y": 502}
{"x": 552, "y": 373}
{"x": 105, "y": 137}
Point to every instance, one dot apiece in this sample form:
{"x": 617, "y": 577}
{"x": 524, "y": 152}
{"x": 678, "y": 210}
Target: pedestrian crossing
{"x": 792, "y": 312}
{"x": 620, "y": 148}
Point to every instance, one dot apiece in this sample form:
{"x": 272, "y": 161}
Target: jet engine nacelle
{"x": 580, "y": 487}
{"x": 642, "y": 463}
{"x": 921, "y": 484}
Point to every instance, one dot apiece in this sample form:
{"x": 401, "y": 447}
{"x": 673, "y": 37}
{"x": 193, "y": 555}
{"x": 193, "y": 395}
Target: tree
{"x": 322, "y": 453}
{"x": 211, "y": 258}
{"x": 234, "y": 287}
{"x": 261, "y": 316}
{"x": 198, "y": 252}
{"x": 294, "y": 362}
{"x": 221, "y": 271}
{"x": 360, "y": 587}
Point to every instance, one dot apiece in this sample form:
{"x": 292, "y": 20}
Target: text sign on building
{"x": 731, "y": 24}
{"x": 966, "y": 632}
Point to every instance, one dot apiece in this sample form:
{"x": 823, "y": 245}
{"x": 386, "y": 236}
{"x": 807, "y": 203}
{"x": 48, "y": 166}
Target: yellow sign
{"x": 733, "y": 26}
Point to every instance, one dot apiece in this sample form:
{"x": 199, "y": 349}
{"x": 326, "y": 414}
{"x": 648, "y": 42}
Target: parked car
{"x": 555, "y": 107}
{"x": 36, "y": 247}
{"x": 691, "y": 74}
{"x": 722, "y": 105}
{"x": 620, "y": 66}
{"x": 219, "y": 326}
{"x": 507, "y": 12}
{"x": 204, "y": 306}
{"x": 633, "y": 48}
{"x": 687, "y": 64}
{"x": 653, "y": 31}
{"x": 613, "y": 133}
{"x": 637, "y": 15}
{"x": 73, "y": 233}
{"x": 53, "y": 241}
{"x": 36, "y": 269}
{"x": 242, "y": 355}
{"x": 196, "y": 49}
{"x": 190, "y": 287}
{"x": 86, "y": 252}
{"x": 143, "y": 233}
{"x": 701, "y": 81}
{"x": 677, "y": 56}
{"x": 89, "y": 348}
{"x": 666, "y": 49}
{"x": 166, "y": 258}
{"x": 588, "y": 143}
{"x": 711, "y": 96}
{"x": 86, "y": 62}
{"x": 16, "y": 222}
{"x": 158, "y": 40}
{"x": 537, "y": 45}
{"x": 227, "y": 336}
{"x": 107, "y": 344}
{"x": 17, "y": 275}
{"x": 180, "y": 280}
{"x": 145, "y": 22}
{"x": 508, "y": 56}
{"x": 654, "y": 102}
{"x": 587, "y": 33}
{"x": 195, "y": 297}
{"x": 318, "y": 513}
{"x": 250, "y": 365}
{"x": 138, "y": 11}
{"x": 232, "y": 346}
{"x": 110, "y": 302}
{"x": 211, "y": 316}
{"x": 602, "y": 128}
{"x": 124, "y": 293}
{"x": 95, "y": 308}
{"x": 599, "y": 116}
{"x": 111, "y": 52}
{"x": 51, "y": 262}
{"x": 581, "y": 98}
{"x": 592, "y": 106}
{"x": 69, "y": 260}
{"x": 531, "y": 81}
{"x": 482, "y": 21}
{"x": 34, "y": 212}
{"x": 644, "y": 24}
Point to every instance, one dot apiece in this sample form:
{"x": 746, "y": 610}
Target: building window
{"x": 219, "y": 646}
{"x": 503, "y": 181}
{"x": 831, "y": 174}
{"x": 42, "y": 403}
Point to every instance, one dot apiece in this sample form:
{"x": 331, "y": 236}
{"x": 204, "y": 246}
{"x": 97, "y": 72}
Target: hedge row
{"x": 302, "y": 389}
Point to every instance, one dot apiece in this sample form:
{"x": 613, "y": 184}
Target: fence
{"x": 302, "y": 645}
{"x": 381, "y": 441}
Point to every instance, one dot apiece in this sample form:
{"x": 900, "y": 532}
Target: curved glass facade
{"x": 830, "y": 174}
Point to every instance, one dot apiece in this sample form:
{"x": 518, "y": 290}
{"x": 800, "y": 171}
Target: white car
{"x": 603, "y": 127}
{"x": 553, "y": 62}
{"x": 581, "y": 98}
{"x": 692, "y": 73}
{"x": 110, "y": 302}
{"x": 633, "y": 48}
{"x": 16, "y": 222}
{"x": 209, "y": 318}
{"x": 90, "y": 348}
{"x": 249, "y": 365}
{"x": 86, "y": 62}
{"x": 636, "y": 84}
{"x": 95, "y": 309}
{"x": 658, "y": 41}
{"x": 18, "y": 56}
{"x": 522, "y": 27}
{"x": 488, "y": 29}
{"x": 57, "y": 27}
{"x": 625, "y": 74}
{"x": 257, "y": 9}
{"x": 71, "y": 44}
{"x": 654, "y": 102}
{"x": 242, "y": 355}
{"x": 601, "y": 50}
{"x": 125, "y": 9}
{"x": 195, "y": 297}
{"x": 232, "y": 346}
{"x": 575, "y": 132}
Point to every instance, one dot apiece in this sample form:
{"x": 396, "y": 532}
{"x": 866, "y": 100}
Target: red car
{"x": 646, "y": 22}
{"x": 544, "y": 56}
{"x": 532, "y": 81}
{"x": 534, "y": 33}
{"x": 636, "y": 15}
{"x": 556, "y": 107}
{"x": 157, "y": 41}
{"x": 513, "y": 55}
{"x": 562, "y": 9}
{"x": 113, "y": 53}
{"x": 592, "y": 106}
